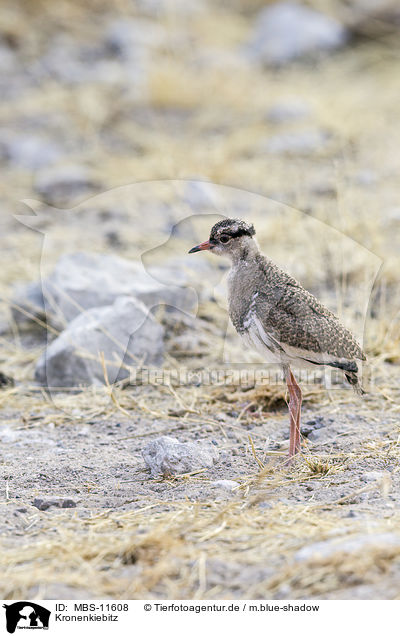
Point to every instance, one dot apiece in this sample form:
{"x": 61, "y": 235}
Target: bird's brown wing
{"x": 294, "y": 317}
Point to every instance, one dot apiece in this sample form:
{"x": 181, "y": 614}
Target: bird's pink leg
{"x": 295, "y": 399}
{"x": 297, "y": 391}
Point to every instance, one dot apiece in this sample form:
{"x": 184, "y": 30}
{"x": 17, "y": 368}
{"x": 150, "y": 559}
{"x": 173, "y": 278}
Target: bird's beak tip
{"x": 198, "y": 248}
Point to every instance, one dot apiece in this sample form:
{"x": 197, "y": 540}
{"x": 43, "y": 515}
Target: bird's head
{"x": 229, "y": 237}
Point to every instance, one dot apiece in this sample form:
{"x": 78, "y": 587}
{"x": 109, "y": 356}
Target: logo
{"x": 26, "y": 615}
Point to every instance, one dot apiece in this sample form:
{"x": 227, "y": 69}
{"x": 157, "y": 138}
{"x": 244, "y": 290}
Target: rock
{"x": 332, "y": 548}
{"x": 83, "y": 281}
{"x": 55, "y": 502}
{"x": 288, "y": 111}
{"x": 300, "y": 143}
{"x": 226, "y": 484}
{"x": 168, "y": 456}
{"x": 5, "y": 380}
{"x": 61, "y": 184}
{"x": 125, "y": 332}
{"x": 28, "y": 151}
{"x": 312, "y": 425}
{"x": 165, "y": 8}
{"x": 9, "y": 435}
{"x": 286, "y": 31}
{"x": 374, "y": 475}
{"x": 366, "y": 178}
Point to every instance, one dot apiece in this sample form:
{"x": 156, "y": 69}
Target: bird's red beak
{"x": 203, "y": 246}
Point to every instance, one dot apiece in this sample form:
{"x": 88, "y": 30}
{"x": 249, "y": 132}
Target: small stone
{"x": 168, "y": 456}
{"x": 286, "y": 31}
{"x": 226, "y": 484}
{"x": 326, "y": 550}
{"x": 300, "y": 143}
{"x": 312, "y": 425}
{"x": 288, "y": 111}
{"x": 374, "y": 475}
{"x": 313, "y": 436}
{"x": 29, "y": 151}
{"x": 56, "y": 502}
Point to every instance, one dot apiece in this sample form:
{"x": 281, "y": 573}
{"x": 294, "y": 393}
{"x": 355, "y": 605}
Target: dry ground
{"x": 203, "y": 115}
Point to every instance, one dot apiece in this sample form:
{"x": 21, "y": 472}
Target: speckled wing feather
{"x": 294, "y": 317}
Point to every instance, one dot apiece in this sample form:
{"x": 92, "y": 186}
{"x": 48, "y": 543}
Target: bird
{"x": 275, "y": 315}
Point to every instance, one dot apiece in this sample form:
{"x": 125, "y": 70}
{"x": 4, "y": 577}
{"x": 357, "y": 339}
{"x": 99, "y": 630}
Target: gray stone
{"x": 168, "y": 456}
{"x": 83, "y": 281}
{"x": 286, "y": 31}
{"x": 300, "y": 143}
{"x": 59, "y": 185}
{"x": 374, "y": 475}
{"x": 166, "y": 8}
{"x": 287, "y": 111}
{"x": 226, "y": 484}
{"x": 55, "y": 502}
{"x": 28, "y": 151}
{"x": 125, "y": 332}
{"x": 325, "y": 550}
{"x": 313, "y": 425}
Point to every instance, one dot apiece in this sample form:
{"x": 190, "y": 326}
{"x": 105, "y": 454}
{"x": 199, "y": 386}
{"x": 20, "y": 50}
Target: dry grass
{"x": 152, "y": 553}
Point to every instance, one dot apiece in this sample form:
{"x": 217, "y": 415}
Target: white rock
{"x": 28, "y": 151}
{"x": 226, "y": 484}
{"x": 300, "y": 143}
{"x": 324, "y": 550}
{"x": 289, "y": 110}
{"x": 168, "y": 456}
{"x": 286, "y": 31}
{"x": 374, "y": 475}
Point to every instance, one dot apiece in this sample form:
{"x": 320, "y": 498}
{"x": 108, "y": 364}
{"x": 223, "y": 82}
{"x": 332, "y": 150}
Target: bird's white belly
{"x": 255, "y": 337}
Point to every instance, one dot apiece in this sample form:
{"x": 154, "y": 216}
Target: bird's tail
{"x": 353, "y": 379}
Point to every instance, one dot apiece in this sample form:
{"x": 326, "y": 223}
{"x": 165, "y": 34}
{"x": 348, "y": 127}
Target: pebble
{"x": 56, "y": 502}
{"x": 226, "y": 484}
{"x": 325, "y": 550}
{"x": 285, "y": 31}
{"x": 299, "y": 143}
{"x": 168, "y": 456}
{"x": 374, "y": 475}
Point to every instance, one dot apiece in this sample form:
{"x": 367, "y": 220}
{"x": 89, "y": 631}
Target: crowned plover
{"x": 275, "y": 315}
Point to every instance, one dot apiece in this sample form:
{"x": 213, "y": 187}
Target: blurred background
{"x": 296, "y": 101}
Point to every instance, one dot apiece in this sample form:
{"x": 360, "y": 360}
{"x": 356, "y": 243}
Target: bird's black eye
{"x": 224, "y": 238}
